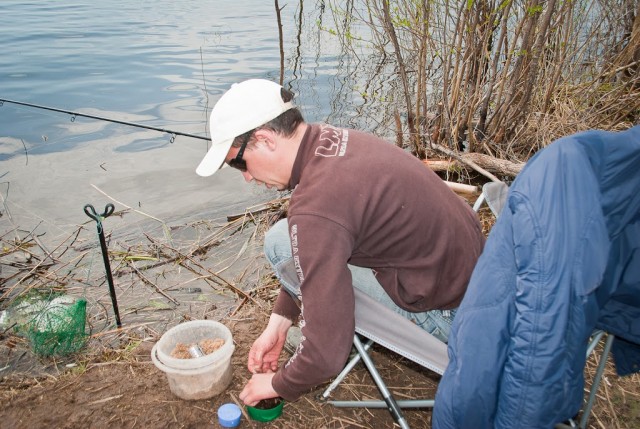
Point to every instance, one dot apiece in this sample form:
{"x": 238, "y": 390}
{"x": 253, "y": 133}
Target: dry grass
{"x": 498, "y": 78}
{"x": 154, "y": 273}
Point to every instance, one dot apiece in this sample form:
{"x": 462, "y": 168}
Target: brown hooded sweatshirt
{"x": 360, "y": 200}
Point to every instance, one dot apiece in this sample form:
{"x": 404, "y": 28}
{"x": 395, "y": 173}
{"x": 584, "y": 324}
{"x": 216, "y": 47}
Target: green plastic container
{"x": 265, "y": 415}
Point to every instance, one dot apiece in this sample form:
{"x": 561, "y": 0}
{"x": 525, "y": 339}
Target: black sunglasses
{"x": 238, "y": 162}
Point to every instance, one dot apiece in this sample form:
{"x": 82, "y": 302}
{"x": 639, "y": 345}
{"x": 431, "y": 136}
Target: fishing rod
{"x": 102, "y": 118}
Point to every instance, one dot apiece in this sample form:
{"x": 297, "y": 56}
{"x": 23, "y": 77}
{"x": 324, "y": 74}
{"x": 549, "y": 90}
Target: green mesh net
{"x": 54, "y": 325}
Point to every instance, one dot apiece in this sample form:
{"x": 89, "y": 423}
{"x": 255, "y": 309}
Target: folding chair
{"x": 378, "y": 324}
{"x": 495, "y": 195}
{"x": 382, "y": 326}
{"x": 387, "y": 328}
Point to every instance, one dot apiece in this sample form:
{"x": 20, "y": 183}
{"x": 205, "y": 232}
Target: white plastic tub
{"x": 195, "y": 378}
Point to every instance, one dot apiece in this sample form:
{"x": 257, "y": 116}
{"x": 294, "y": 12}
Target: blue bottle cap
{"x": 229, "y": 415}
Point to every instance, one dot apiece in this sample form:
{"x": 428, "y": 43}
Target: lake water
{"x": 163, "y": 64}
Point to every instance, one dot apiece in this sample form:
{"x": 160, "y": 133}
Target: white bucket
{"x": 201, "y": 377}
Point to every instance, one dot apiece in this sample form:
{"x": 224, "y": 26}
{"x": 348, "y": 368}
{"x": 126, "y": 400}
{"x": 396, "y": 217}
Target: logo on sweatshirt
{"x": 293, "y": 235}
{"x": 333, "y": 141}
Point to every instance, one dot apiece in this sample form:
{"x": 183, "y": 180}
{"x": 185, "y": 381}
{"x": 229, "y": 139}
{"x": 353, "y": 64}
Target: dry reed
{"x": 499, "y": 78}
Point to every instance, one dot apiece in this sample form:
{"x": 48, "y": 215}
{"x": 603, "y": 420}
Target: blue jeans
{"x": 277, "y": 249}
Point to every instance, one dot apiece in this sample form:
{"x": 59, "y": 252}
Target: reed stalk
{"x": 503, "y": 77}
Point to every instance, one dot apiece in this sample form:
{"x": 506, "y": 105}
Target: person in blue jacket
{"x": 562, "y": 260}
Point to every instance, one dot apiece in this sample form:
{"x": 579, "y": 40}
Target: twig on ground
{"x": 149, "y": 282}
{"x": 242, "y": 410}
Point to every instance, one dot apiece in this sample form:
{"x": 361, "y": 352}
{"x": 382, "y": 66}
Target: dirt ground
{"x": 112, "y": 382}
{"x": 121, "y": 388}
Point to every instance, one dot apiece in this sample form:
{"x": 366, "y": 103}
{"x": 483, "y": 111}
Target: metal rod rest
{"x": 108, "y": 210}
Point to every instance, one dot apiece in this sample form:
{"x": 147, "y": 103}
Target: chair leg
{"x": 393, "y": 407}
{"x": 389, "y": 402}
{"x": 348, "y": 367}
{"x": 407, "y": 403}
{"x": 593, "y": 343}
{"x": 596, "y": 381}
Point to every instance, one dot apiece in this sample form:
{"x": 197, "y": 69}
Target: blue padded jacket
{"x": 562, "y": 259}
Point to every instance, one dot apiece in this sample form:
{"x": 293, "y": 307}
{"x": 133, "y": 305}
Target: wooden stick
{"x": 501, "y": 166}
{"x": 241, "y": 406}
{"x": 211, "y": 273}
{"x": 123, "y": 204}
{"x": 149, "y": 282}
{"x": 470, "y": 163}
{"x": 462, "y": 188}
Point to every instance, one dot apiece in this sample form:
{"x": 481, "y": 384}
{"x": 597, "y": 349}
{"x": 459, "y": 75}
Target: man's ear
{"x": 267, "y": 138}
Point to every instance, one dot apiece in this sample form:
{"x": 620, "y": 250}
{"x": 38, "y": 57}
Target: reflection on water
{"x": 163, "y": 64}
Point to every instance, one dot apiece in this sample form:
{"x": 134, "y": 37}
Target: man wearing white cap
{"x": 363, "y": 213}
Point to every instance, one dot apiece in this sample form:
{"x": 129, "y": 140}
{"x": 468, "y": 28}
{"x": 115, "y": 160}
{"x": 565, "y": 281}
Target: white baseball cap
{"x": 245, "y": 106}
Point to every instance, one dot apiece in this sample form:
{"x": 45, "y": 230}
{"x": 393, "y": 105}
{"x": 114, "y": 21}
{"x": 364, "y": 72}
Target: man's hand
{"x": 257, "y": 389}
{"x": 265, "y": 351}
{"x": 263, "y": 360}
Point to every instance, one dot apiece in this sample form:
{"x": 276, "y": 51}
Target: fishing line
{"x": 102, "y": 118}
